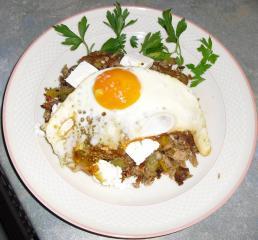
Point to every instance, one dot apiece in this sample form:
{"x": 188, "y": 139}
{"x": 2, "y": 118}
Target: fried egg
{"x": 118, "y": 105}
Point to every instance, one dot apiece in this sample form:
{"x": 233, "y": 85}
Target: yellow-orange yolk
{"x": 116, "y": 89}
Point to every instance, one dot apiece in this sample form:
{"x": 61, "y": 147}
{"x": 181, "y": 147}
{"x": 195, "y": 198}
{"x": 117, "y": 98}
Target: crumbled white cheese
{"x": 110, "y": 175}
{"x": 136, "y": 60}
{"x": 38, "y": 131}
{"x": 140, "y": 150}
{"x": 82, "y": 71}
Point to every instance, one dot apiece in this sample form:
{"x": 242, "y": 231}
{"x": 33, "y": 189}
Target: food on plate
{"x": 113, "y": 115}
{"x": 128, "y": 118}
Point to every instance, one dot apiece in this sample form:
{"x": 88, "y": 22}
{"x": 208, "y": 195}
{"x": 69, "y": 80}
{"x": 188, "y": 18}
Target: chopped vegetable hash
{"x": 174, "y": 150}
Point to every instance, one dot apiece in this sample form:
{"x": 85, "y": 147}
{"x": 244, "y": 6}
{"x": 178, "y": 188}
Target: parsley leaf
{"x": 134, "y": 41}
{"x": 213, "y": 58}
{"x": 116, "y": 20}
{"x": 65, "y": 31}
{"x": 172, "y": 34}
{"x": 82, "y": 27}
{"x": 73, "y": 42}
{"x": 208, "y": 58}
{"x": 196, "y": 81}
{"x": 114, "y": 45}
{"x": 181, "y": 27}
{"x": 71, "y": 38}
{"x": 153, "y": 47}
{"x": 166, "y": 23}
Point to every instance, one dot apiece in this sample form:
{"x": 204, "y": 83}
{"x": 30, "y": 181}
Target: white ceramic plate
{"x": 164, "y": 207}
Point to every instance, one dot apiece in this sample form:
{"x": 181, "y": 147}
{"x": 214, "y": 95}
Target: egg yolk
{"x": 116, "y": 89}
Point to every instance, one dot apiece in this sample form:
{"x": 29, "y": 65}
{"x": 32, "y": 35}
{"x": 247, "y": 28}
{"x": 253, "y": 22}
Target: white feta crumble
{"x": 136, "y": 60}
{"x": 38, "y": 131}
{"x": 82, "y": 71}
{"x": 140, "y": 150}
{"x": 108, "y": 174}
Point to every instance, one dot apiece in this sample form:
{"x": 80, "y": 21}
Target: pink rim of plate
{"x": 99, "y": 231}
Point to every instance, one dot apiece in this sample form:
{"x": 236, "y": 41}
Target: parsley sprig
{"x": 208, "y": 58}
{"x": 153, "y": 47}
{"x": 116, "y": 20}
{"x": 134, "y": 41}
{"x": 71, "y": 38}
{"x": 173, "y": 35}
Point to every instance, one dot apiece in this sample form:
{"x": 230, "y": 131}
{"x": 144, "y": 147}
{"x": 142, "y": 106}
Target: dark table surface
{"x": 234, "y": 22}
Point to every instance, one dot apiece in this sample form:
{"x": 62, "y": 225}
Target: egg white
{"x": 165, "y": 105}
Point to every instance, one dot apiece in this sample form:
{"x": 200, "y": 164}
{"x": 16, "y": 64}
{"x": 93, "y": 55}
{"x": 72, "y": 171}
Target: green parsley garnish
{"x": 114, "y": 45}
{"x": 153, "y": 47}
{"x": 173, "y": 35}
{"x": 116, "y": 20}
{"x": 134, "y": 41}
{"x": 208, "y": 58}
{"x": 72, "y": 39}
